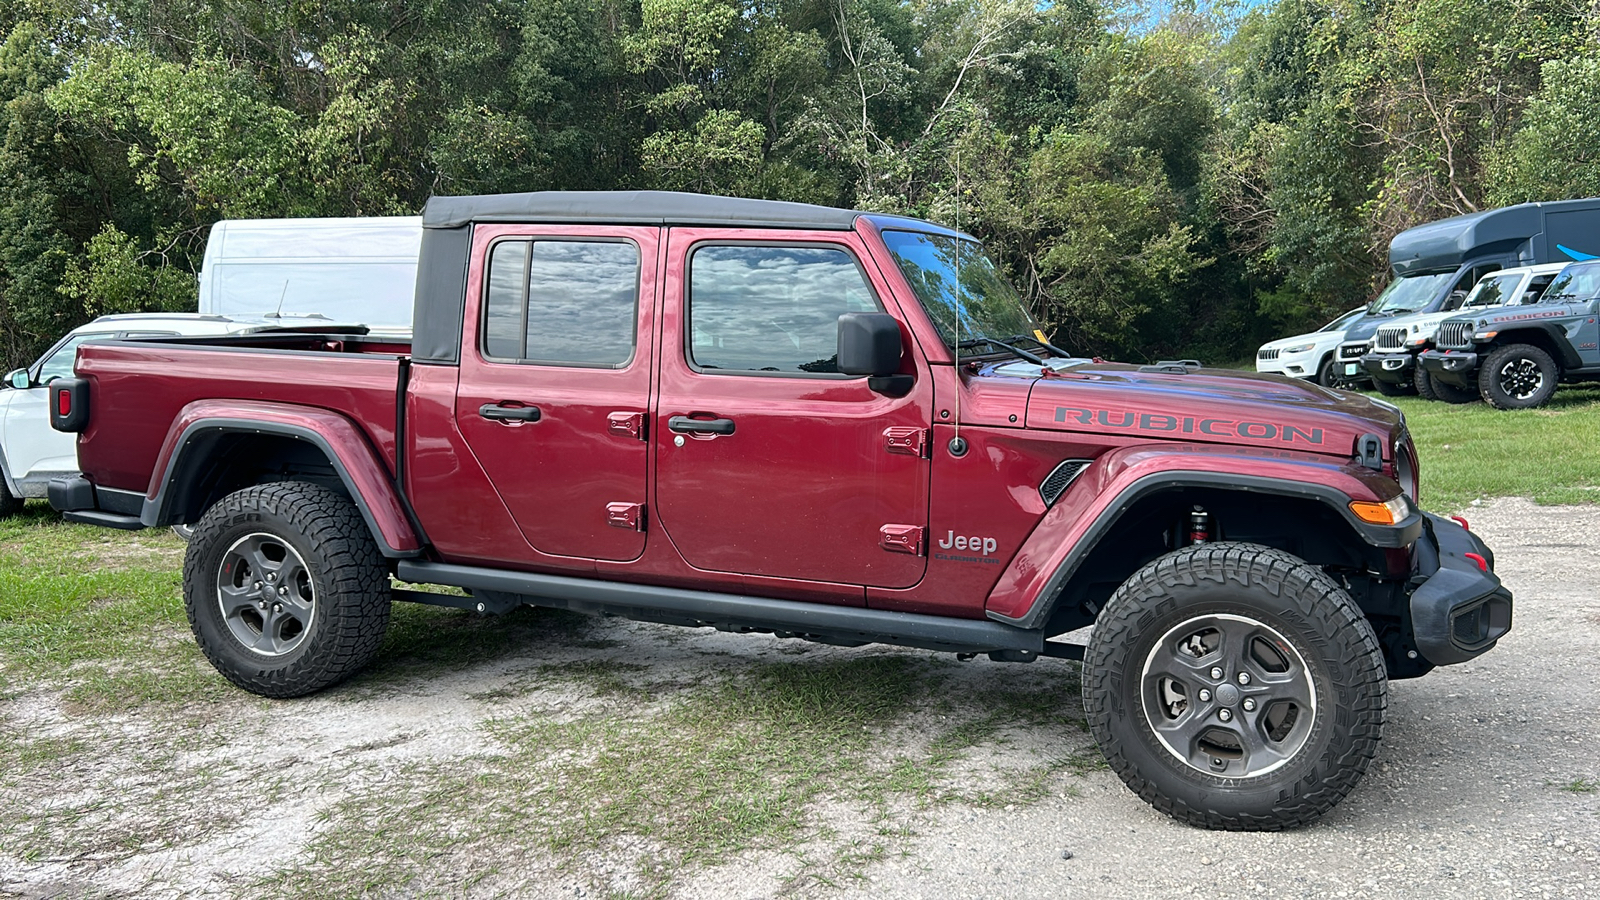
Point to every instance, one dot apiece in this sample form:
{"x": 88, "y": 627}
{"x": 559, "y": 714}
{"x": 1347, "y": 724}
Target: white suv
{"x": 31, "y": 452}
{"x": 1307, "y": 355}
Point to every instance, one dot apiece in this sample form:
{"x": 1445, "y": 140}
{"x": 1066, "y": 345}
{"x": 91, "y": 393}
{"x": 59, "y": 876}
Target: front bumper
{"x": 1294, "y": 365}
{"x": 1457, "y": 367}
{"x": 1458, "y": 611}
{"x": 1391, "y": 368}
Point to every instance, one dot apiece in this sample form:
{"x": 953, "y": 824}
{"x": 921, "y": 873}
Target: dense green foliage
{"x": 1189, "y": 185}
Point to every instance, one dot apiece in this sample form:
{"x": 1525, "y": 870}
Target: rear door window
{"x": 562, "y": 302}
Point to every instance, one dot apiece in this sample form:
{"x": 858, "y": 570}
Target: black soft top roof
{"x": 633, "y": 208}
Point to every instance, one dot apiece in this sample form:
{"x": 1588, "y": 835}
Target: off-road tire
{"x": 1429, "y": 387}
{"x": 1495, "y": 382}
{"x": 1291, "y": 600}
{"x": 341, "y": 569}
{"x": 1393, "y": 390}
{"x": 10, "y": 504}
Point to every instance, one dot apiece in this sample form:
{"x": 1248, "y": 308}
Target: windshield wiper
{"x": 1018, "y": 351}
{"x": 1045, "y": 344}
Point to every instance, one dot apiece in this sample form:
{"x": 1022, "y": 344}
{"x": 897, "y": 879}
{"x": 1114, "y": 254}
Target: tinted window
{"x": 572, "y": 302}
{"x": 772, "y": 309}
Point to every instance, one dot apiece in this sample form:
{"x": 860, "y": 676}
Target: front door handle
{"x": 686, "y": 425}
{"x": 509, "y": 413}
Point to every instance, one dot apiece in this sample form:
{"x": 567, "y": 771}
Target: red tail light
{"x": 64, "y": 404}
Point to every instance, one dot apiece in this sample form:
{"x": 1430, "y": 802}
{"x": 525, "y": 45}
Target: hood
{"x": 1418, "y": 327}
{"x": 1311, "y": 337}
{"x": 1364, "y": 327}
{"x": 1509, "y": 315}
{"x": 1217, "y": 406}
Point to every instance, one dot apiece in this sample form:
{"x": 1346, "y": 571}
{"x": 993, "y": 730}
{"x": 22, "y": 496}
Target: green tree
{"x": 1555, "y": 154}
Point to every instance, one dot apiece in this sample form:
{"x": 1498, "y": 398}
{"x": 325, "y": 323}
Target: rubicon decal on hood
{"x": 1161, "y": 423}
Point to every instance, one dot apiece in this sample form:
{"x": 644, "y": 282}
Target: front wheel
{"x": 1431, "y": 388}
{"x": 1331, "y": 374}
{"x": 1519, "y": 376}
{"x": 285, "y": 589}
{"x": 1393, "y": 390}
{"x": 1233, "y": 686}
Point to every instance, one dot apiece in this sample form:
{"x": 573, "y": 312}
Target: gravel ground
{"x": 1487, "y": 783}
{"x": 1469, "y": 796}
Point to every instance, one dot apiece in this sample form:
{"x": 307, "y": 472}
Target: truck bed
{"x": 153, "y": 379}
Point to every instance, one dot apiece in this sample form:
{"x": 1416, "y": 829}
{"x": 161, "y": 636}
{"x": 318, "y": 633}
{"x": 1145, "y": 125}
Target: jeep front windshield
{"x": 1575, "y": 283}
{"x": 1408, "y": 294}
{"x": 961, "y": 289}
{"x": 1492, "y": 291}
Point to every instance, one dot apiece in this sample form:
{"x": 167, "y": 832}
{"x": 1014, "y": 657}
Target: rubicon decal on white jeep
{"x": 985, "y": 545}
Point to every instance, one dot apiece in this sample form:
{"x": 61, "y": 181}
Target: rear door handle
{"x": 509, "y": 413}
{"x": 686, "y": 425}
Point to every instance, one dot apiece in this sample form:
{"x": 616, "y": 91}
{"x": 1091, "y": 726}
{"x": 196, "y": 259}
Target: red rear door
{"x": 768, "y": 462}
{"x": 554, "y": 390}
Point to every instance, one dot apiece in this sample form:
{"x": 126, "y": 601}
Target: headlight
{"x": 1297, "y": 348}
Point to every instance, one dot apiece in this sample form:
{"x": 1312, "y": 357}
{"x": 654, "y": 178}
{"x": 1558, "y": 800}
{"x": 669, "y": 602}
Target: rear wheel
{"x": 285, "y": 589}
{"x": 10, "y": 504}
{"x": 1234, "y": 686}
{"x": 1518, "y": 376}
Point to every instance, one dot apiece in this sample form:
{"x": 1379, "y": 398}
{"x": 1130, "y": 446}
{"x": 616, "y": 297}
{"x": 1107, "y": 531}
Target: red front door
{"x": 768, "y": 463}
{"x": 554, "y": 387}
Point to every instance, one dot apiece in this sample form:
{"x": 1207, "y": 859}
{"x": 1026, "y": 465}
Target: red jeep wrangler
{"x": 829, "y": 425}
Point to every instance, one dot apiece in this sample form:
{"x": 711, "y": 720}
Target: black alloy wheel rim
{"x": 1521, "y": 378}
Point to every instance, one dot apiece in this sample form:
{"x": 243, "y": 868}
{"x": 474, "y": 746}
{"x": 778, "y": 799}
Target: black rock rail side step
{"x": 677, "y": 606}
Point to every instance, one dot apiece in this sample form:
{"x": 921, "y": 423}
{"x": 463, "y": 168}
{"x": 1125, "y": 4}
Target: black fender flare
{"x": 1399, "y": 535}
{"x": 390, "y": 522}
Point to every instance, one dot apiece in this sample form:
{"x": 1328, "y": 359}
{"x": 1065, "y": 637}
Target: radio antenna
{"x": 956, "y": 441}
{"x": 281, "y": 294}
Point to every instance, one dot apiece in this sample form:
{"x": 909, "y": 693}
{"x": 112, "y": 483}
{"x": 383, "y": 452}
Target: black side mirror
{"x": 869, "y": 344}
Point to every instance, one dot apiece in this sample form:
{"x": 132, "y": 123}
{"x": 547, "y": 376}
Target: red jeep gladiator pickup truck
{"x": 829, "y": 425}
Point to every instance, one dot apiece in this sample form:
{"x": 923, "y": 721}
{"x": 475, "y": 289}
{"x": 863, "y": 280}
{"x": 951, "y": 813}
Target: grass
{"x": 673, "y": 777}
{"x": 595, "y": 757}
{"x": 96, "y": 609}
{"x": 1474, "y": 451}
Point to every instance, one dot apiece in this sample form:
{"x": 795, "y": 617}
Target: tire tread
{"x": 353, "y": 586}
{"x": 1316, "y": 596}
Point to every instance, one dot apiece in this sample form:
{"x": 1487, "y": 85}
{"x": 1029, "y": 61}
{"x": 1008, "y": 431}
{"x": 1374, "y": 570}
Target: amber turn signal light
{"x": 1389, "y": 513}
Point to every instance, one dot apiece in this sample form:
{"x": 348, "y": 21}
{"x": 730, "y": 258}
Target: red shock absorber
{"x": 1199, "y": 526}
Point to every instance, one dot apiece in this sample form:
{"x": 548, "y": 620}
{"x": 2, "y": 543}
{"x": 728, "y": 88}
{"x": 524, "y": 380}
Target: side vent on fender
{"x": 1060, "y": 478}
